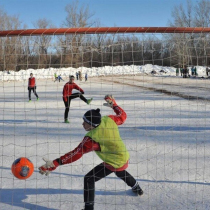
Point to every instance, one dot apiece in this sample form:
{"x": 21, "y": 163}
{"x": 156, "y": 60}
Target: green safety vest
{"x": 113, "y": 150}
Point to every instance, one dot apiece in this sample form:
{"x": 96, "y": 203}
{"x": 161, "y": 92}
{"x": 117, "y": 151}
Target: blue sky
{"x": 109, "y": 12}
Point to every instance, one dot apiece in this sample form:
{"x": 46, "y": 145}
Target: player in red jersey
{"x": 32, "y": 86}
{"x": 68, "y": 96}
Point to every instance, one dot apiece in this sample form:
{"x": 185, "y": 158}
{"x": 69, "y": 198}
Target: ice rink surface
{"x": 167, "y": 134}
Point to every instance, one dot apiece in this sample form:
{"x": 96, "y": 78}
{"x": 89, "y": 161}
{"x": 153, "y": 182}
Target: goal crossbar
{"x": 102, "y": 30}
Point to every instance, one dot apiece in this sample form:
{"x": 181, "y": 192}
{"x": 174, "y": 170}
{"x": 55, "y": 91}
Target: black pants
{"x": 68, "y": 102}
{"x": 98, "y": 173}
{"x": 34, "y": 91}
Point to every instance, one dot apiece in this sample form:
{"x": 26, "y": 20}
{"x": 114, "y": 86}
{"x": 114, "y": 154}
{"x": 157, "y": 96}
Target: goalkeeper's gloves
{"x": 48, "y": 166}
{"x": 110, "y": 101}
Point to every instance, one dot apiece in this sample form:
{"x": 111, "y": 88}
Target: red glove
{"x": 48, "y": 166}
{"x": 110, "y": 101}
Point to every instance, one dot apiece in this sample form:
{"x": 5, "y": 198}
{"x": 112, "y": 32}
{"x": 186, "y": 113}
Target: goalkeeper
{"x": 102, "y": 137}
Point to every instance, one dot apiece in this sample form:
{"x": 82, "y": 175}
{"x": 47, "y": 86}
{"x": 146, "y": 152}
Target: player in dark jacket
{"x": 68, "y": 96}
{"x": 32, "y": 86}
{"x": 103, "y": 137}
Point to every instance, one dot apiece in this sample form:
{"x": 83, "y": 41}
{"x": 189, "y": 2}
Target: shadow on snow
{"x": 17, "y": 196}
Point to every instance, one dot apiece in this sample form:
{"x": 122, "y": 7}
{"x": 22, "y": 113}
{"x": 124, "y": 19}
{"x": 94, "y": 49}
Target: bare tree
{"x": 42, "y": 44}
{"x": 71, "y": 45}
{"x": 202, "y": 15}
{"x": 182, "y": 17}
{"x": 183, "y": 44}
{"x": 9, "y": 45}
{"x": 78, "y": 16}
{"x": 202, "y": 19}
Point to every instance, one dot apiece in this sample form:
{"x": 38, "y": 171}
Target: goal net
{"x": 158, "y": 76}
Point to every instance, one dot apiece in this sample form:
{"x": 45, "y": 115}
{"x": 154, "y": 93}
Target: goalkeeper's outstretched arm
{"x": 87, "y": 145}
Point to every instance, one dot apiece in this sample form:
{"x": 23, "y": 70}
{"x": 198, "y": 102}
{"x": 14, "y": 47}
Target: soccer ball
{"x": 22, "y": 168}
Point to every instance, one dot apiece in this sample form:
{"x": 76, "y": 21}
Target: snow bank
{"x": 94, "y": 72}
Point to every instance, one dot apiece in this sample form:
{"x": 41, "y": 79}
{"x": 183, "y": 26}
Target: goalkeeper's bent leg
{"x": 90, "y": 178}
{"x": 126, "y": 177}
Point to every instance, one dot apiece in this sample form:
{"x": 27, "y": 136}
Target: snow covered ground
{"x": 94, "y": 72}
{"x": 166, "y": 132}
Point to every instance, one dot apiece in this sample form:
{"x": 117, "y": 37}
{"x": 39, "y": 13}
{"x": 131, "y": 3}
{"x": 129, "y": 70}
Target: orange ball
{"x": 22, "y": 168}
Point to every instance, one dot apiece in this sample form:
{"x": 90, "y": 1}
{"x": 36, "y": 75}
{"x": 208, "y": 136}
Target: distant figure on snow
{"x": 77, "y": 75}
{"x": 195, "y": 71}
{"x": 207, "y": 71}
{"x": 181, "y": 71}
{"x": 185, "y": 72}
{"x": 86, "y": 77}
{"x": 59, "y": 78}
{"x": 55, "y": 76}
{"x": 80, "y": 75}
{"x": 177, "y": 72}
{"x": 192, "y": 71}
{"x": 32, "y": 86}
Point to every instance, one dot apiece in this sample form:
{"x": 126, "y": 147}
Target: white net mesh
{"x": 160, "y": 80}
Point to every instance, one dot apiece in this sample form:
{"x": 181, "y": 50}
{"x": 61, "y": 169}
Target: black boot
{"x": 89, "y": 206}
{"x": 137, "y": 189}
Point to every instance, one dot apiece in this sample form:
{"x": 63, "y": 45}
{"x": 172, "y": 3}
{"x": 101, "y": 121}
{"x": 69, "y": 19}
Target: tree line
{"x": 99, "y": 50}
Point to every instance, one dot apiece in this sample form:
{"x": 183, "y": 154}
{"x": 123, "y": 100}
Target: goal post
{"x": 158, "y": 75}
{"x": 102, "y": 30}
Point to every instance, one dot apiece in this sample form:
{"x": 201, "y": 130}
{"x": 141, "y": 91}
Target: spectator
{"x": 181, "y": 71}
{"x": 185, "y": 72}
{"x": 192, "y": 71}
{"x": 80, "y": 75}
{"x": 86, "y": 76}
{"x": 177, "y": 72}
{"x": 77, "y": 75}
{"x": 195, "y": 71}
{"x": 207, "y": 71}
